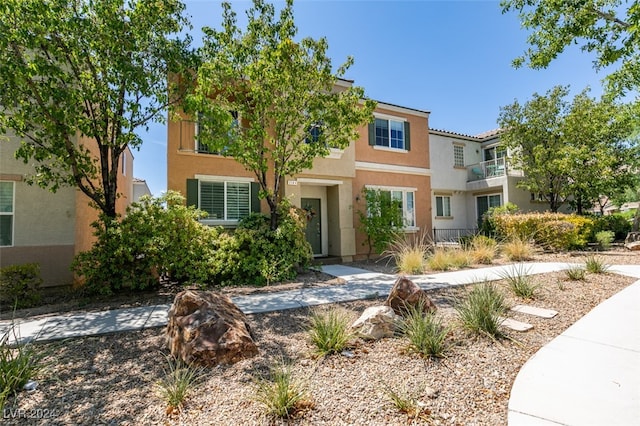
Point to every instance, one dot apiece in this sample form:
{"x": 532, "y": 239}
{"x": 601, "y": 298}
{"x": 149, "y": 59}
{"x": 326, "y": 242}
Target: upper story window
{"x": 6, "y": 213}
{"x": 201, "y": 125}
{"x": 124, "y": 163}
{"x": 315, "y": 132}
{"x": 458, "y": 156}
{"x": 389, "y": 133}
{"x": 494, "y": 152}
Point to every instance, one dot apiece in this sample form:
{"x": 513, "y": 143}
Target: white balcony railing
{"x": 487, "y": 169}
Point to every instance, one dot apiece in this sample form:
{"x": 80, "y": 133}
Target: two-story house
{"x": 391, "y": 154}
{"x": 471, "y": 174}
{"x": 39, "y": 226}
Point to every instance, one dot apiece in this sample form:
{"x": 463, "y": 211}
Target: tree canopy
{"x": 270, "y": 101}
{"x": 576, "y": 150}
{"x": 94, "y": 71}
{"x": 607, "y": 28}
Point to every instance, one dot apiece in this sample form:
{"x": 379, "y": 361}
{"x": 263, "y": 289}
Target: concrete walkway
{"x": 589, "y": 375}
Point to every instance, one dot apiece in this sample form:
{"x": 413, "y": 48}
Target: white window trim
{"x": 391, "y": 118}
{"x": 449, "y": 216}
{"x": 404, "y": 191}
{"x": 12, "y": 213}
{"x": 225, "y": 180}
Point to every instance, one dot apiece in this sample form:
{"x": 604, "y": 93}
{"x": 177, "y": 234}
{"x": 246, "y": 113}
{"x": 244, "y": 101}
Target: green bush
{"x": 329, "y": 331}
{"x": 281, "y": 395}
{"x": 255, "y": 254}
{"x": 488, "y": 225}
{"x": 481, "y": 310}
{"x": 158, "y": 237}
{"x": 380, "y": 221}
{"x": 552, "y": 231}
{"x": 604, "y": 239}
{"x": 427, "y": 334}
{"x": 618, "y": 223}
{"x": 18, "y": 365}
{"x": 20, "y": 284}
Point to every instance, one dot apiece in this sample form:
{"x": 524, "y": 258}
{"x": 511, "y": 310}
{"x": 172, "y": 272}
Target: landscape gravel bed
{"x": 110, "y": 379}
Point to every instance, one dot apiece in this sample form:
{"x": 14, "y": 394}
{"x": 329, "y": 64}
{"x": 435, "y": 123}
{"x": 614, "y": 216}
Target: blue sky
{"x": 452, "y": 58}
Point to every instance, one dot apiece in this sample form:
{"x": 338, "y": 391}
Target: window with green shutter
{"x": 389, "y": 133}
{"x": 224, "y": 200}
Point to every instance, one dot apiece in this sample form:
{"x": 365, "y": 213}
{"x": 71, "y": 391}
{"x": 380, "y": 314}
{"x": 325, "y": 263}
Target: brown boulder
{"x": 406, "y": 294}
{"x": 207, "y": 328}
{"x": 632, "y": 242}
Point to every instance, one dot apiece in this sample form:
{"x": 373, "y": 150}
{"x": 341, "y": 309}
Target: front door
{"x": 314, "y": 227}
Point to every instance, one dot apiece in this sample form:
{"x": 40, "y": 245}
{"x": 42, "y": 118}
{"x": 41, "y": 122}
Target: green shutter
{"x": 192, "y": 192}
{"x": 407, "y": 136}
{"x": 255, "y": 200}
{"x": 372, "y": 133}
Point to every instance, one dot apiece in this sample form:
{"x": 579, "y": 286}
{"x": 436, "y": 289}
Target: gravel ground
{"x": 109, "y": 380}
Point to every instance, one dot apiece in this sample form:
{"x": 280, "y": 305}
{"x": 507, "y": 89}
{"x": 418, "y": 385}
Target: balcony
{"x": 487, "y": 169}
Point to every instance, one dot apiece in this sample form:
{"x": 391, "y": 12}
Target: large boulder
{"x": 206, "y": 328}
{"x": 375, "y": 323}
{"x": 632, "y": 242}
{"x": 405, "y": 294}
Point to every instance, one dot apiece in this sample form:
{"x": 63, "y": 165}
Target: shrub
{"x": 518, "y": 249}
{"x": 596, "y": 265}
{"x": 18, "y": 365}
{"x": 553, "y": 231}
{"x": 329, "y": 331}
{"x": 618, "y": 223}
{"x": 20, "y": 284}
{"x": 405, "y": 403}
{"x": 256, "y": 254}
{"x": 488, "y": 226}
{"x": 152, "y": 240}
{"x": 575, "y": 273}
{"x": 604, "y": 239}
{"x": 427, "y": 335}
{"x": 409, "y": 253}
{"x": 460, "y": 258}
{"x": 483, "y": 249}
{"x": 440, "y": 260}
{"x": 480, "y": 311}
{"x": 520, "y": 281}
{"x": 178, "y": 381}
{"x": 280, "y": 394}
{"x": 380, "y": 220}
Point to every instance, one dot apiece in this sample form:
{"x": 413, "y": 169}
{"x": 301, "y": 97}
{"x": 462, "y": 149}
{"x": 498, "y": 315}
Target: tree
{"x": 381, "y": 220}
{"x": 271, "y": 102}
{"x": 603, "y": 27}
{"x": 78, "y": 78}
{"x": 579, "y": 150}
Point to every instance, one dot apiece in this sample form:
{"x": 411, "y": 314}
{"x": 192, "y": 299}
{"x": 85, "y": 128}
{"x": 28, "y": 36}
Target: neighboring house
{"x": 391, "y": 154}
{"x": 140, "y": 189}
{"x": 471, "y": 174}
{"x": 47, "y": 228}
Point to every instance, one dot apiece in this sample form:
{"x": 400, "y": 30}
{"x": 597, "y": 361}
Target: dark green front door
{"x": 314, "y": 227}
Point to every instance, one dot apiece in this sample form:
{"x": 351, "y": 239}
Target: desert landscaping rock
{"x": 534, "y": 310}
{"x": 206, "y": 328}
{"x": 375, "y": 323}
{"x": 405, "y": 294}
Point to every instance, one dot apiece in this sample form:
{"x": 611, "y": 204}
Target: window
{"x": 494, "y": 153}
{"x": 390, "y": 133}
{"x": 6, "y": 213}
{"x": 201, "y": 126}
{"x": 406, "y": 204}
{"x": 315, "y": 132}
{"x": 225, "y": 200}
{"x": 124, "y": 163}
{"x": 458, "y": 156}
{"x": 485, "y": 202}
{"x": 443, "y": 206}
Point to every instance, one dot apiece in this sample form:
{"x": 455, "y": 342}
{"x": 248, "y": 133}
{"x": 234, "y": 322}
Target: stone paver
{"x": 535, "y": 311}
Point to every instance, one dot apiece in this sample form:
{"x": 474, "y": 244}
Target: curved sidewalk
{"x": 590, "y": 374}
